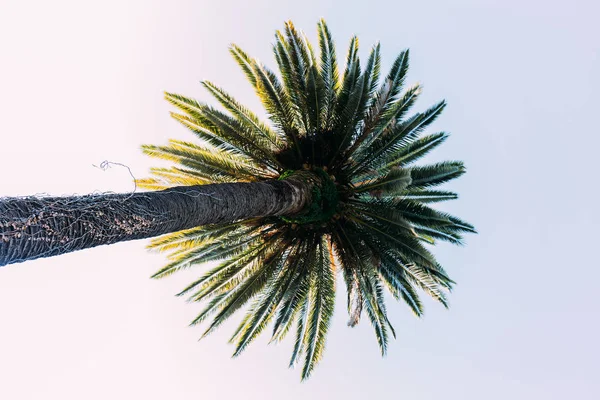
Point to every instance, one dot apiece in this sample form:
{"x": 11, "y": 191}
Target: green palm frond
{"x": 255, "y": 129}
{"x": 391, "y": 184}
{"x": 265, "y": 306}
{"x": 379, "y": 115}
{"x": 276, "y": 101}
{"x": 205, "y": 160}
{"x": 226, "y": 246}
{"x": 398, "y": 135}
{"x": 290, "y": 78}
{"x": 429, "y": 196}
{"x": 436, "y": 174}
{"x": 329, "y": 74}
{"x": 226, "y": 275}
{"x": 415, "y": 150}
{"x": 300, "y": 64}
{"x": 369, "y": 217}
{"x": 349, "y": 80}
{"x": 247, "y": 289}
{"x": 291, "y": 300}
{"x": 229, "y": 293}
{"x": 322, "y": 298}
{"x": 395, "y": 280}
{"x": 301, "y": 328}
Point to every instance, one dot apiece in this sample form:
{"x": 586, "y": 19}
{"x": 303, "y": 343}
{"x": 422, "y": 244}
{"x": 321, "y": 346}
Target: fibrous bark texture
{"x": 34, "y": 227}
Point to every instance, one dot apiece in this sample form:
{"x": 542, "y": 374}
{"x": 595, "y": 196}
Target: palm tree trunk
{"x": 34, "y": 227}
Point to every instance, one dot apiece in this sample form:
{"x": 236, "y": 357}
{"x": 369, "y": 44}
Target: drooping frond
{"x": 349, "y": 135}
{"x": 246, "y": 290}
{"x": 292, "y": 298}
{"x": 263, "y": 310}
{"x": 322, "y": 298}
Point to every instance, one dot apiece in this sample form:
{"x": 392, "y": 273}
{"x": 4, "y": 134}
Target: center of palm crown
{"x": 324, "y": 203}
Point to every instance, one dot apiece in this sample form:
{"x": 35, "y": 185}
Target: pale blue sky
{"x": 82, "y": 82}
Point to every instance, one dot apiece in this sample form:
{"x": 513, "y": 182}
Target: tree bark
{"x": 34, "y": 227}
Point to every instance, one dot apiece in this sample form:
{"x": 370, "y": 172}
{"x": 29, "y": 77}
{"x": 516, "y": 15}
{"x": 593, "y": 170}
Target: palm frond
{"x": 237, "y": 134}
{"x": 276, "y": 101}
{"x": 385, "y": 133}
{"x": 265, "y": 307}
{"x": 391, "y": 184}
{"x": 322, "y": 305}
{"x": 415, "y": 150}
{"x": 218, "y": 162}
{"x": 292, "y": 82}
{"x": 395, "y": 280}
{"x": 329, "y": 74}
{"x": 429, "y": 196}
{"x": 250, "y": 287}
{"x": 427, "y": 282}
{"x": 381, "y": 101}
{"x": 300, "y": 63}
{"x": 436, "y": 174}
{"x": 354, "y": 112}
{"x": 245, "y": 62}
{"x": 229, "y": 246}
{"x": 301, "y": 327}
{"x": 398, "y": 136}
{"x": 292, "y": 301}
{"x": 227, "y": 274}
{"x": 260, "y": 132}
{"x": 349, "y": 79}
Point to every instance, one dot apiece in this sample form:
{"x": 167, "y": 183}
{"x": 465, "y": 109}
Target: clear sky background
{"x": 81, "y": 82}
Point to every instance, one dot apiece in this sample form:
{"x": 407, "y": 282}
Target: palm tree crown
{"x": 369, "y": 216}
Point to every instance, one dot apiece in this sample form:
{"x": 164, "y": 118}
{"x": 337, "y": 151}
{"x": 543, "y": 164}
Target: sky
{"x": 82, "y": 82}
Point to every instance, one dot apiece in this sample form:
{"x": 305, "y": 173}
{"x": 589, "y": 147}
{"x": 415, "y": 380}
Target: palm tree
{"x": 329, "y": 187}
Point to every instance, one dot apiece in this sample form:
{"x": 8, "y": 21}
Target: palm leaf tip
{"x": 372, "y": 217}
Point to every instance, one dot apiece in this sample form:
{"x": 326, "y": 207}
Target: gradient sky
{"x": 82, "y": 82}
